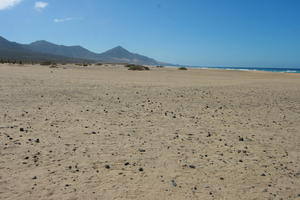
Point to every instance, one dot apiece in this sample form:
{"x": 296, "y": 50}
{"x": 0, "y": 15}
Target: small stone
{"x": 107, "y": 166}
{"x": 141, "y": 169}
{"x": 192, "y": 166}
{"x": 174, "y": 183}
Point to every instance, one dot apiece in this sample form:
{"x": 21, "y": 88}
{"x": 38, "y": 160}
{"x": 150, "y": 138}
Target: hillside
{"x": 44, "y": 50}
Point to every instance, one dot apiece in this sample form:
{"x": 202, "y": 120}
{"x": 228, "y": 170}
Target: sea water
{"x": 286, "y": 70}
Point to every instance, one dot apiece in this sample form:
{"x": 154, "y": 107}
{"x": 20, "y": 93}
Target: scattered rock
{"x": 192, "y": 166}
{"x": 174, "y": 183}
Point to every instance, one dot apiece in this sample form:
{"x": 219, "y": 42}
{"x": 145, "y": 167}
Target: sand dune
{"x": 103, "y": 132}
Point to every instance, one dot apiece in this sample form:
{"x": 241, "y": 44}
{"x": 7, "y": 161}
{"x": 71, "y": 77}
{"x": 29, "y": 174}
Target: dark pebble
{"x": 174, "y": 183}
{"x": 192, "y": 166}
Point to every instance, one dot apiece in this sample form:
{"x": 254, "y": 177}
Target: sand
{"x": 103, "y": 132}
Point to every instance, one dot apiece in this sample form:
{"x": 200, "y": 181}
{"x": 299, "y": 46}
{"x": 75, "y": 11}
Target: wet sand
{"x": 103, "y": 132}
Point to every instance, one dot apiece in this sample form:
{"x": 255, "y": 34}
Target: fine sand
{"x": 104, "y": 132}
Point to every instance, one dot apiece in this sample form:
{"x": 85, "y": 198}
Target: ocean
{"x": 284, "y": 70}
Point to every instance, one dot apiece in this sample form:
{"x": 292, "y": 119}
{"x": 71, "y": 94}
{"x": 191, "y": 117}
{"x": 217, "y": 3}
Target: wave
{"x": 283, "y": 70}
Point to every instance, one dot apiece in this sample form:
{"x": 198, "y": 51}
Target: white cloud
{"x": 39, "y": 5}
{"x": 61, "y": 20}
{"x": 57, "y": 20}
{"x": 5, "y": 4}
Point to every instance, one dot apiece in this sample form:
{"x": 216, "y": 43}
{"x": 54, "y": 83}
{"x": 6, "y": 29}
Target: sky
{"x": 241, "y": 33}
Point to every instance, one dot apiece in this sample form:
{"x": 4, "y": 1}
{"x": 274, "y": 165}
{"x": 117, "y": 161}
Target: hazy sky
{"x": 258, "y": 33}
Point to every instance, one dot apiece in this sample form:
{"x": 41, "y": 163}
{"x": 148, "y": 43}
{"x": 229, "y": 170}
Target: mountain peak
{"x": 122, "y": 55}
{"x": 118, "y": 52}
{"x": 119, "y": 48}
{"x": 41, "y": 43}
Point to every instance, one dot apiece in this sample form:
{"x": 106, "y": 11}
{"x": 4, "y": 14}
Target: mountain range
{"x": 46, "y": 51}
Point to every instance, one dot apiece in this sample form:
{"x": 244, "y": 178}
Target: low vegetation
{"x": 2, "y": 61}
{"x": 46, "y": 63}
{"x": 53, "y": 66}
{"x": 182, "y": 68}
{"x": 82, "y": 64}
{"x": 137, "y": 67}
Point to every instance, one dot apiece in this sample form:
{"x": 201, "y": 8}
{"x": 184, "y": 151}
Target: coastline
{"x": 278, "y": 70}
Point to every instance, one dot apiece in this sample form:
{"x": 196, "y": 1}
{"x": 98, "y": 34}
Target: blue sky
{"x": 249, "y": 33}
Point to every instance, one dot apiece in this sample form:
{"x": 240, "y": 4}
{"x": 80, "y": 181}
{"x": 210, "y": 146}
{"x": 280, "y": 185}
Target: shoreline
{"x": 290, "y": 71}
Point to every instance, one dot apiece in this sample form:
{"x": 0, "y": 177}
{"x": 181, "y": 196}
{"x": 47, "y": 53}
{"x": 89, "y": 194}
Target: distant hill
{"x": 61, "y": 50}
{"x": 121, "y": 55}
{"x": 42, "y": 49}
{"x": 15, "y": 52}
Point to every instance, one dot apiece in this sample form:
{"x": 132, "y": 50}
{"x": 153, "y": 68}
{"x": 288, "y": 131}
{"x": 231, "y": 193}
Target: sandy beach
{"x": 104, "y": 132}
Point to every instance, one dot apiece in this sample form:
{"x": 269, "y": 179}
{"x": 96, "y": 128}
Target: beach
{"x": 104, "y": 132}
